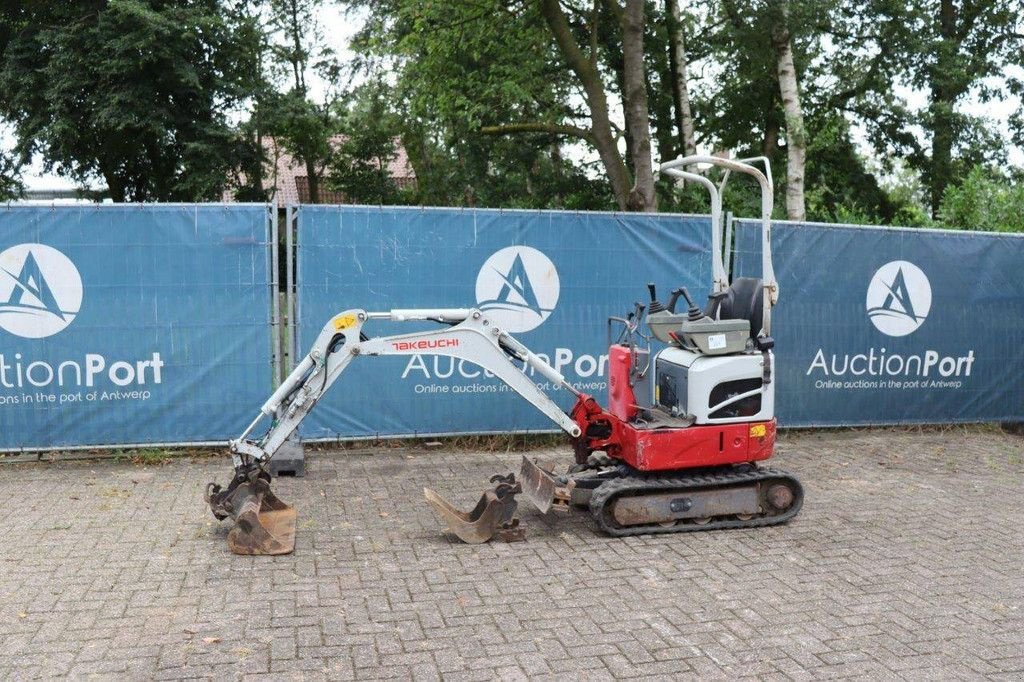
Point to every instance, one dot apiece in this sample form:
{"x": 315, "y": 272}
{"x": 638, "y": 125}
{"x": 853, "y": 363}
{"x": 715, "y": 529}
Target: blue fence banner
{"x": 132, "y": 324}
{"x": 893, "y": 325}
{"x": 551, "y": 278}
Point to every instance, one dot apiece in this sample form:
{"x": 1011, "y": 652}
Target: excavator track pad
{"x": 264, "y": 525}
{"x": 743, "y": 496}
{"x": 493, "y": 516}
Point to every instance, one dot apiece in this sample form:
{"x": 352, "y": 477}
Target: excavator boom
{"x": 265, "y": 525}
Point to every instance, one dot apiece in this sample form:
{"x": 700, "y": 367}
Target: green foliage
{"x": 455, "y": 68}
{"x": 11, "y": 185}
{"x": 840, "y": 187}
{"x": 300, "y": 124}
{"x": 133, "y": 91}
{"x": 951, "y": 51}
{"x": 984, "y": 201}
{"x": 359, "y": 168}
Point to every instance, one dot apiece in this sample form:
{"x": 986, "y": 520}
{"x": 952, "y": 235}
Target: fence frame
{"x": 271, "y": 240}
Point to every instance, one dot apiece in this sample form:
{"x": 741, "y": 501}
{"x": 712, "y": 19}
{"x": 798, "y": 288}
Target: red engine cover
{"x": 696, "y": 446}
{"x": 621, "y": 399}
{"x": 664, "y": 449}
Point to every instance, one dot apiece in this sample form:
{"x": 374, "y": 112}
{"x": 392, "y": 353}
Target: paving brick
{"x": 904, "y": 564}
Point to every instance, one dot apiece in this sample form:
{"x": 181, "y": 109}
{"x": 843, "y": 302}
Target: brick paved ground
{"x": 906, "y": 562}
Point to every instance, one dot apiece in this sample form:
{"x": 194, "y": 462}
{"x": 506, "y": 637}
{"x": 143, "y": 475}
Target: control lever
{"x": 693, "y": 313}
{"x": 676, "y": 293}
{"x": 655, "y": 306}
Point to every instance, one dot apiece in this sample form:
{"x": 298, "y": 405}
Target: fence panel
{"x": 893, "y": 325}
{"x": 132, "y": 324}
{"x": 551, "y": 278}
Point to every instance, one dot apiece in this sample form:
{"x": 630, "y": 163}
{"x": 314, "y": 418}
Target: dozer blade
{"x": 542, "y": 489}
{"x": 493, "y": 515}
{"x": 264, "y": 525}
{"x": 538, "y": 485}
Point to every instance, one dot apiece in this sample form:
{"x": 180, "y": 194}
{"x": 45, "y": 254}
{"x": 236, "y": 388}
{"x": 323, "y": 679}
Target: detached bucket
{"x": 493, "y": 516}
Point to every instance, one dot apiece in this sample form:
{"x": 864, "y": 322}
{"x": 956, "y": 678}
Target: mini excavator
{"x": 676, "y": 449}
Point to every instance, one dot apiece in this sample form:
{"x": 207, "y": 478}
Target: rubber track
{"x": 633, "y": 481}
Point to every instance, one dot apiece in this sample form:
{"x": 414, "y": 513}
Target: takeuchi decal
{"x": 424, "y": 344}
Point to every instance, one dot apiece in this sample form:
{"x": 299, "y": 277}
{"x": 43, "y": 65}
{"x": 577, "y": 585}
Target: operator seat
{"x": 744, "y": 300}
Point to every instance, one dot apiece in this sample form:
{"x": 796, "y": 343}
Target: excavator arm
{"x": 265, "y": 525}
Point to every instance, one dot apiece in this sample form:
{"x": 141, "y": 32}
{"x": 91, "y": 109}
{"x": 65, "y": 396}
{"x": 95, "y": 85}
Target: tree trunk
{"x": 941, "y": 107}
{"x": 770, "y": 142}
{"x": 638, "y": 122}
{"x": 680, "y": 89}
{"x": 313, "y": 182}
{"x": 600, "y": 125}
{"x": 796, "y": 137}
{"x": 115, "y": 188}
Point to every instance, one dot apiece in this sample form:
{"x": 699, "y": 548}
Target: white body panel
{"x": 705, "y": 372}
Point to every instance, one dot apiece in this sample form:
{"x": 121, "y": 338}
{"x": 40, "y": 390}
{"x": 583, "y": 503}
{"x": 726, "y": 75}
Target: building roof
{"x": 288, "y": 183}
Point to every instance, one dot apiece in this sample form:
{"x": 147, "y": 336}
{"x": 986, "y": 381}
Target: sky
{"x": 341, "y": 27}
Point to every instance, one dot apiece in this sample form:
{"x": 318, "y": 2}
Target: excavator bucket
{"x": 264, "y": 525}
{"x": 494, "y": 515}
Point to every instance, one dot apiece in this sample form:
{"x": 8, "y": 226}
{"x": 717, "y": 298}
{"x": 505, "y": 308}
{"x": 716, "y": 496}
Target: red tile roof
{"x": 286, "y": 178}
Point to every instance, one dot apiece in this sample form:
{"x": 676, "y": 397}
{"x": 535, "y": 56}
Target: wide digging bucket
{"x": 493, "y": 516}
{"x": 264, "y": 525}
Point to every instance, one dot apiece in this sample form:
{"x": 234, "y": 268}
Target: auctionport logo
{"x": 899, "y": 298}
{"x": 518, "y": 287}
{"x": 40, "y": 291}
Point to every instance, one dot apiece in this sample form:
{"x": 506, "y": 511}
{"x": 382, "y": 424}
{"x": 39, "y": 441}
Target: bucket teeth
{"x": 493, "y": 515}
{"x": 264, "y": 525}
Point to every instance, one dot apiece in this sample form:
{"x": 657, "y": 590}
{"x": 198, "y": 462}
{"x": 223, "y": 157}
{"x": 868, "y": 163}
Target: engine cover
{"x": 723, "y": 389}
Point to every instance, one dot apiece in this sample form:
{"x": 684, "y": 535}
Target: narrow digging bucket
{"x": 493, "y": 515}
{"x": 264, "y": 525}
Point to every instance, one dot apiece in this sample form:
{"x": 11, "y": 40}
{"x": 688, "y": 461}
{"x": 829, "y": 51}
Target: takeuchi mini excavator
{"x": 675, "y": 449}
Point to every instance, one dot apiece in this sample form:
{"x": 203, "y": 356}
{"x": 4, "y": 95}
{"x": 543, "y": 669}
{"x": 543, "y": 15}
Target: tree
{"x": 763, "y": 93}
{"x": 680, "y": 83}
{"x": 457, "y": 72}
{"x": 796, "y": 134}
{"x": 585, "y": 67}
{"x": 985, "y": 200}
{"x": 132, "y": 91}
{"x": 11, "y": 185}
{"x": 360, "y": 167}
{"x": 950, "y": 50}
{"x": 300, "y": 124}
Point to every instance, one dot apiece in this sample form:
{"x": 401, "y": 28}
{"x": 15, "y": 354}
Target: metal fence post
{"x": 290, "y": 459}
{"x": 275, "y": 295}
